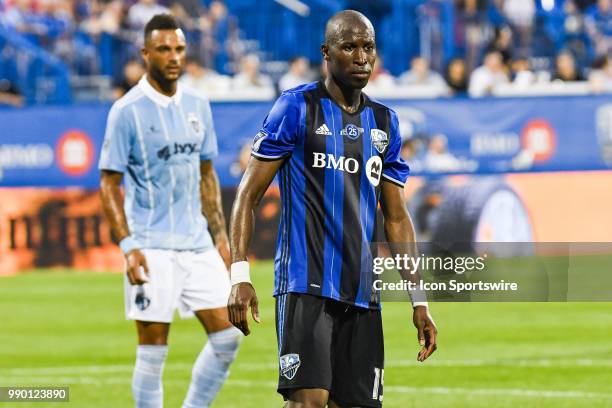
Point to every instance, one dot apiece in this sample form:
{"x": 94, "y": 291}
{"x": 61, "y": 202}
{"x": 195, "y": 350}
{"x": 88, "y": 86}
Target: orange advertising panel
{"x": 66, "y": 228}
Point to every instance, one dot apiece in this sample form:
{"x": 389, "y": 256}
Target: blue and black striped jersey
{"x": 334, "y": 163}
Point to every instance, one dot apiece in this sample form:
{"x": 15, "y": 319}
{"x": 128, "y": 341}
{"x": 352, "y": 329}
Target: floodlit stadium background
{"x": 512, "y": 145}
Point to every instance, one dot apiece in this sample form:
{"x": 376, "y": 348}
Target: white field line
{"x": 120, "y": 368}
{"x": 510, "y": 392}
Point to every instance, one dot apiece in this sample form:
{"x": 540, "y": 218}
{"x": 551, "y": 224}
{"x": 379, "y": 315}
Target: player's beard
{"x": 160, "y": 77}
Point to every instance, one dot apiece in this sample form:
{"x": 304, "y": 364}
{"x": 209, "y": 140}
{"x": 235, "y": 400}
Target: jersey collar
{"x": 158, "y": 97}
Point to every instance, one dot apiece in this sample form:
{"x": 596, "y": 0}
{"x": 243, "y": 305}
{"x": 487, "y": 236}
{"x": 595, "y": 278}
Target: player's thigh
{"x": 358, "y": 366}
{"x": 304, "y": 334}
{"x": 207, "y": 285}
{"x": 307, "y": 398}
{"x": 214, "y": 320}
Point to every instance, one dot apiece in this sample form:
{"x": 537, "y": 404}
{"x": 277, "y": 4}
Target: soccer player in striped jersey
{"x": 336, "y": 153}
{"x": 161, "y": 141}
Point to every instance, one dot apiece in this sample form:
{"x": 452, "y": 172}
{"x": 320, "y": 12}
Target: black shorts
{"x": 324, "y": 343}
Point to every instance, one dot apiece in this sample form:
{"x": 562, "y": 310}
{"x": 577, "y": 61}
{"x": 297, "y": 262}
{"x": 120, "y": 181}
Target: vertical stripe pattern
{"x": 280, "y": 320}
{"x": 145, "y": 159}
{"x": 334, "y": 187}
{"x": 314, "y": 185}
{"x": 367, "y": 214}
{"x": 352, "y": 231}
{"x": 171, "y": 171}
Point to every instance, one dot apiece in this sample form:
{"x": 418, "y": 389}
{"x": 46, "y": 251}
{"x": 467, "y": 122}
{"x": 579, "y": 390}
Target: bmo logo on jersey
{"x": 329, "y": 161}
{"x": 373, "y": 167}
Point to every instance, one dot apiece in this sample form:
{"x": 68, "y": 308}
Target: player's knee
{"x": 225, "y": 344}
{"x": 152, "y": 334}
{"x": 152, "y": 340}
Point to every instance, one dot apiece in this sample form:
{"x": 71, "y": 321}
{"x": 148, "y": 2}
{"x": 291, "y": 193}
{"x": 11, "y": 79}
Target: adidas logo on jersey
{"x": 323, "y": 130}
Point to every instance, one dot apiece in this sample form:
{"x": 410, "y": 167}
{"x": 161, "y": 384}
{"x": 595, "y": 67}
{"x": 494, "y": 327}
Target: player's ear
{"x": 325, "y": 51}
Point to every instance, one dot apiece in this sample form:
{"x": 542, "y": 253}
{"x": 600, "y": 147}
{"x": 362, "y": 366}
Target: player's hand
{"x": 426, "y": 332}
{"x": 224, "y": 250}
{"x": 241, "y": 298}
{"x": 137, "y": 269}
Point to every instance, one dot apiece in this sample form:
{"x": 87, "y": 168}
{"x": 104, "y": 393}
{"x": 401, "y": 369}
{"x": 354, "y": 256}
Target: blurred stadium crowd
{"x": 498, "y": 47}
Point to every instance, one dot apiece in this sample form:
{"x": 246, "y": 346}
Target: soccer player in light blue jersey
{"x": 160, "y": 140}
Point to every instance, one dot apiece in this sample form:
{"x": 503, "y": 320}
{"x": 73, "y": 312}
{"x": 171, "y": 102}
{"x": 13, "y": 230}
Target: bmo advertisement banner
{"x": 58, "y": 147}
{"x": 50, "y": 147}
{"x": 507, "y": 135}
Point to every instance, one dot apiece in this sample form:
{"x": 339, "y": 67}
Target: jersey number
{"x": 379, "y": 374}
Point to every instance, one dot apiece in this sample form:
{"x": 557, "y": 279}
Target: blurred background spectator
{"x": 250, "y": 78}
{"x": 522, "y": 76}
{"x": 520, "y": 15}
{"x": 205, "y": 80}
{"x": 141, "y": 12}
{"x": 473, "y": 28}
{"x": 599, "y": 26}
{"x": 486, "y": 77}
{"x": 420, "y": 74}
{"x": 600, "y": 77}
{"x": 565, "y": 68}
{"x": 380, "y": 80}
{"x": 438, "y": 158}
{"x": 298, "y": 74}
{"x": 503, "y": 42}
{"x": 456, "y": 76}
{"x": 132, "y": 72}
{"x": 9, "y": 94}
{"x": 572, "y": 34}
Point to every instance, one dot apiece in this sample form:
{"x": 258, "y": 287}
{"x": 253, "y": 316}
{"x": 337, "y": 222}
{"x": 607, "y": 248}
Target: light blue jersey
{"x": 157, "y": 142}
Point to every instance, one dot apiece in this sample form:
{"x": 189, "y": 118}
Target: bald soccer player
{"x": 336, "y": 154}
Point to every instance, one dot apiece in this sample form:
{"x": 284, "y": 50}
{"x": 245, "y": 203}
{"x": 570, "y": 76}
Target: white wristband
{"x": 128, "y": 244}
{"x": 418, "y": 297}
{"x": 239, "y": 272}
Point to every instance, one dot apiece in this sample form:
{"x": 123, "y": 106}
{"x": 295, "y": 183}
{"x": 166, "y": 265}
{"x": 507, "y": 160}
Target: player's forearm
{"x": 112, "y": 205}
{"x": 257, "y": 177}
{"x": 401, "y": 236}
{"x": 211, "y": 204}
{"x": 402, "y": 241}
{"x": 242, "y": 224}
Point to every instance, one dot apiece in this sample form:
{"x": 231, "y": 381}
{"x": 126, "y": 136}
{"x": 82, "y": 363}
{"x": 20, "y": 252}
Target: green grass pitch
{"x": 67, "y": 328}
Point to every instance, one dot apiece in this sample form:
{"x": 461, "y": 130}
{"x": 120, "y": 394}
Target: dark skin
{"x": 164, "y": 56}
{"x": 350, "y": 52}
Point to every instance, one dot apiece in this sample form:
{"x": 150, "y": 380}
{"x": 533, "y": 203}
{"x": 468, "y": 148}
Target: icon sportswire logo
{"x": 323, "y": 130}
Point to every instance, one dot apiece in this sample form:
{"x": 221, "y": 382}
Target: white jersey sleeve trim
{"x": 395, "y": 181}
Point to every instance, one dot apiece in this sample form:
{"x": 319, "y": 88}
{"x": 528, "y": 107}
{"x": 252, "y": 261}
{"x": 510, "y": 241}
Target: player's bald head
{"x": 346, "y": 21}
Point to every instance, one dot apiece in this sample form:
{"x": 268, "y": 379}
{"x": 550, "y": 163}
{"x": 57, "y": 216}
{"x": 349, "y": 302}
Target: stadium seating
{"x": 63, "y": 56}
